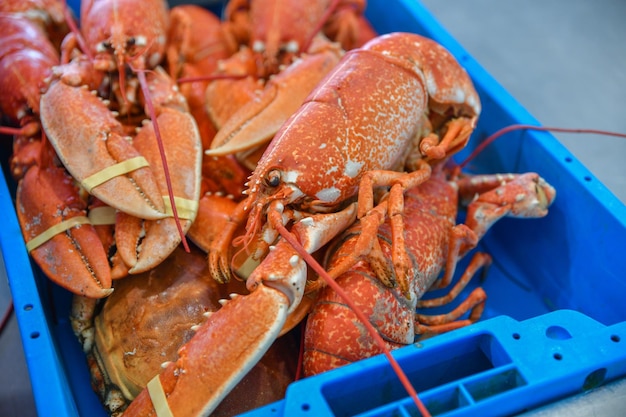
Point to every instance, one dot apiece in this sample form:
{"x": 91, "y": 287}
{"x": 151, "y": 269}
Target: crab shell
{"x": 150, "y": 316}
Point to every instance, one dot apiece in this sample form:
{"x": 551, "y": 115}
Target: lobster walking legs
{"x": 435, "y": 244}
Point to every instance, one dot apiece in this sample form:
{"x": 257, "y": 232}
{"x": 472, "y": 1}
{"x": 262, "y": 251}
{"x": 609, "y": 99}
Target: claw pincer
{"x": 92, "y": 144}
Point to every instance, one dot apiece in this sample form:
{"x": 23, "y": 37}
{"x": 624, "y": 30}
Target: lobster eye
{"x": 103, "y": 46}
{"x": 273, "y": 178}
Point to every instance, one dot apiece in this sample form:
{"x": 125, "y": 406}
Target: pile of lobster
{"x": 279, "y": 138}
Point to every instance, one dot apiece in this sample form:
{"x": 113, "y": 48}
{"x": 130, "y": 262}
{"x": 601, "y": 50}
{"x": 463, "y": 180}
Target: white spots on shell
{"x": 329, "y": 194}
{"x": 131, "y": 352}
{"x": 268, "y": 236}
{"x": 307, "y": 221}
{"x": 290, "y": 176}
{"x": 431, "y": 85}
{"x": 474, "y": 103}
{"x": 154, "y": 60}
{"x": 323, "y": 145}
{"x": 332, "y": 169}
{"x": 459, "y": 95}
{"x": 352, "y": 168}
{"x": 293, "y": 261}
{"x": 292, "y": 47}
{"x": 258, "y": 46}
{"x": 141, "y": 40}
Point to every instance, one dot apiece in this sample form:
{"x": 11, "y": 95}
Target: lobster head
{"x": 120, "y": 32}
{"x": 277, "y": 30}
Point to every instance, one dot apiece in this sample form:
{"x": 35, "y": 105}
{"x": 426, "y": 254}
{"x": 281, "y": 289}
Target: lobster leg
{"x": 428, "y": 324}
{"x": 520, "y": 196}
{"x": 371, "y": 217}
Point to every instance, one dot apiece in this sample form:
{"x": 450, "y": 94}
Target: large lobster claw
{"x": 198, "y": 366}
{"x": 92, "y": 145}
{"x": 218, "y": 356}
{"x": 256, "y": 122}
{"x": 58, "y": 234}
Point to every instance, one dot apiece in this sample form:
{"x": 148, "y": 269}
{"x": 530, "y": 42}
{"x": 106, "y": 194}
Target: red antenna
{"x": 511, "y": 128}
{"x": 404, "y": 380}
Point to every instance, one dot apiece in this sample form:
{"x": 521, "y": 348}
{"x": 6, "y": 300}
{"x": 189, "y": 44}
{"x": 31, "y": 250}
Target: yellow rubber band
{"x": 101, "y": 216}
{"x": 55, "y": 230}
{"x": 185, "y": 208}
{"x": 113, "y": 171}
{"x": 159, "y": 400}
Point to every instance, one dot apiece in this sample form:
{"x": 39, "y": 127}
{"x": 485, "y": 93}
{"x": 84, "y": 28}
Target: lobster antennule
{"x": 362, "y": 318}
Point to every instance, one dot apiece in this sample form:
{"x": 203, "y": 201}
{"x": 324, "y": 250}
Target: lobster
{"x": 74, "y": 99}
{"x": 51, "y": 211}
{"x": 149, "y": 316}
{"x": 435, "y": 243}
{"x": 273, "y": 35}
{"x": 49, "y": 15}
{"x": 130, "y": 175}
{"x": 318, "y": 174}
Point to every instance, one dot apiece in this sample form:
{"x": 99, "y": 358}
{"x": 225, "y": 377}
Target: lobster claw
{"x": 143, "y": 244}
{"x": 265, "y": 310}
{"x": 256, "y": 122}
{"x": 91, "y": 144}
{"x": 218, "y": 355}
{"x": 58, "y": 234}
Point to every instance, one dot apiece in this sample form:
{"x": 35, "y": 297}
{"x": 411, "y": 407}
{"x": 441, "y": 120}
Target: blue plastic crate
{"x": 496, "y": 367}
{"x": 566, "y": 261}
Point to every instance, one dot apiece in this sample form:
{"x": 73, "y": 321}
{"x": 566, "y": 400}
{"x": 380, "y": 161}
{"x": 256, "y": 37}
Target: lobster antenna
{"x": 146, "y": 93}
{"x": 404, "y": 380}
{"x": 211, "y": 77}
{"x": 511, "y": 128}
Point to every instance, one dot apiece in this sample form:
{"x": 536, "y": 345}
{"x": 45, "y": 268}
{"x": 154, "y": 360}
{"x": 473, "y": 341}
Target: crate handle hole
{"x": 28, "y": 307}
{"x": 594, "y": 379}
{"x": 568, "y": 159}
{"x": 615, "y": 338}
{"x": 34, "y": 335}
{"x": 558, "y": 333}
{"x": 558, "y": 356}
{"x": 516, "y": 336}
{"x": 587, "y": 178}
{"x": 305, "y": 407}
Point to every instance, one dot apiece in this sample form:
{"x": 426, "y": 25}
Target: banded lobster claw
{"x": 92, "y": 145}
{"x": 217, "y": 357}
{"x": 57, "y": 232}
{"x": 143, "y": 244}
